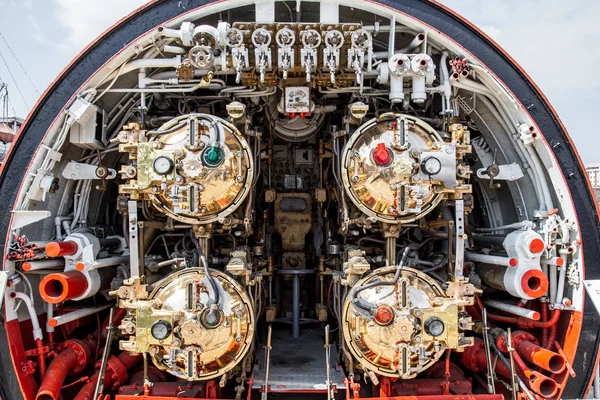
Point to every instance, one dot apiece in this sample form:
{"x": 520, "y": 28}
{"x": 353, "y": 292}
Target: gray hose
{"x": 211, "y": 279}
{"x": 364, "y": 307}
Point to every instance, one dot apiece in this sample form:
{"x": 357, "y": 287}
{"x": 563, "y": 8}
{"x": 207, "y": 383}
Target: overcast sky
{"x": 555, "y": 41}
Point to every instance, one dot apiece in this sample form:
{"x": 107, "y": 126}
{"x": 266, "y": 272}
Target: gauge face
{"x": 163, "y": 165}
{"x": 434, "y": 326}
{"x": 161, "y": 329}
{"x": 431, "y": 165}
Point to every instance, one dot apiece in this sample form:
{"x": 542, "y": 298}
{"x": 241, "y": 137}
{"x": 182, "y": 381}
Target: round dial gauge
{"x": 431, "y": 165}
{"x": 161, "y": 329}
{"x": 163, "y": 165}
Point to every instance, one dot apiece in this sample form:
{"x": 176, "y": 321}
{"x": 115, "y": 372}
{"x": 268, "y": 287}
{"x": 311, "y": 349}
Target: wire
{"x": 20, "y": 65}
{"x": 7, "y": 102}
{"x": 15, "y": 81}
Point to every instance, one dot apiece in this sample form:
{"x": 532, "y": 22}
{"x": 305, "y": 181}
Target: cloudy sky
{"x": 555, "y": 41}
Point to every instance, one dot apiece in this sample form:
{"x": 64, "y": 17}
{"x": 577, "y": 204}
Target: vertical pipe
{"x": 560, "y": 289}
{"x": 392, "y": 37}
{"x": 390, "y": 251}
{"x": 296, "y": 306}
{"x": 553, "y": 278}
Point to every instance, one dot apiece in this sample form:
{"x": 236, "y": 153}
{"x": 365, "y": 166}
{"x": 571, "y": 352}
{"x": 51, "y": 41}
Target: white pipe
{"x": 496, "y": 260}
{"x": 516, "y": 225}
{"x": 173, "y": 49}
{"x": 49, "y": 316}
{"x": 202, "y": 84}
{"x": 101, "y": 263}
{"x": 392, "y": 37}
{"x": 552, "y": 278}
{"x": 512, "y": 309}
{"x": 75, "y": 315}
{"x": 445, "y": 83}
{"x": 43, "y": 264}
{"x": 58, "y": 222}
{"x": 35, "y": 322}
{"x": 560, "y": 289}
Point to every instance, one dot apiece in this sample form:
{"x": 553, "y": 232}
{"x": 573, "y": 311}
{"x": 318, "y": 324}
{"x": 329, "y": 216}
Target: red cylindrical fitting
{"x": 59, "y": 287}
{"x": 381, "y": 155}
{"x": 541, "y": 357}
{"x": 474, "y": 359}
{"x": 60, "y": 249}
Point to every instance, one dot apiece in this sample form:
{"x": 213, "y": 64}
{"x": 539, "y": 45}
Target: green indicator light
{"x": 213, "y": 156}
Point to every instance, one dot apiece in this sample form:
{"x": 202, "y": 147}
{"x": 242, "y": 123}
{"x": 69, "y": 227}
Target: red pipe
{"x": 442, "y": 397}
{"x": 75, "y": 356}
{"x": 39, "y": 343}
{"x": 525, "y": 322}
{"x": 551, "y": 337}
{"x": 115, "y": 376}
{"x": 60, "y": 249}
{"x": 56, "y": 375}
{"x": 545, "y": 330}
{"x": 58, "y": 287}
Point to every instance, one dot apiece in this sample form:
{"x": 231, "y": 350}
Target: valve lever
{"x": 105, "y": 355}
{"x": 265, "y": 388}
{"x": 513, "y": 382}
{"x": 488, "y": 355}
{"x": 328, "y": 364}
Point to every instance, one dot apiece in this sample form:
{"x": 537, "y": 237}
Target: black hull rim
{"x": 432, "y": 14}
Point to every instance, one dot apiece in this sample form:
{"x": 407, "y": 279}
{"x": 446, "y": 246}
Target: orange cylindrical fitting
{"x": 543, "y": 358}
{"x": 541, "y": 384}
{"x": 59, "y": 287}
{"x": 60, "y": 249}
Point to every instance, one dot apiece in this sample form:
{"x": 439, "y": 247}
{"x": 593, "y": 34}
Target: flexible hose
{"x": 211, "y": 279}
{"x": 364, "y": 307}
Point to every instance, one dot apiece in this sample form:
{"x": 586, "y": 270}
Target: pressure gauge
{"x": 434, "y": 326}
{"x": 161, "y": 329}
{"x": 431, "y": 166}
{"x": 163, "y": 165}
